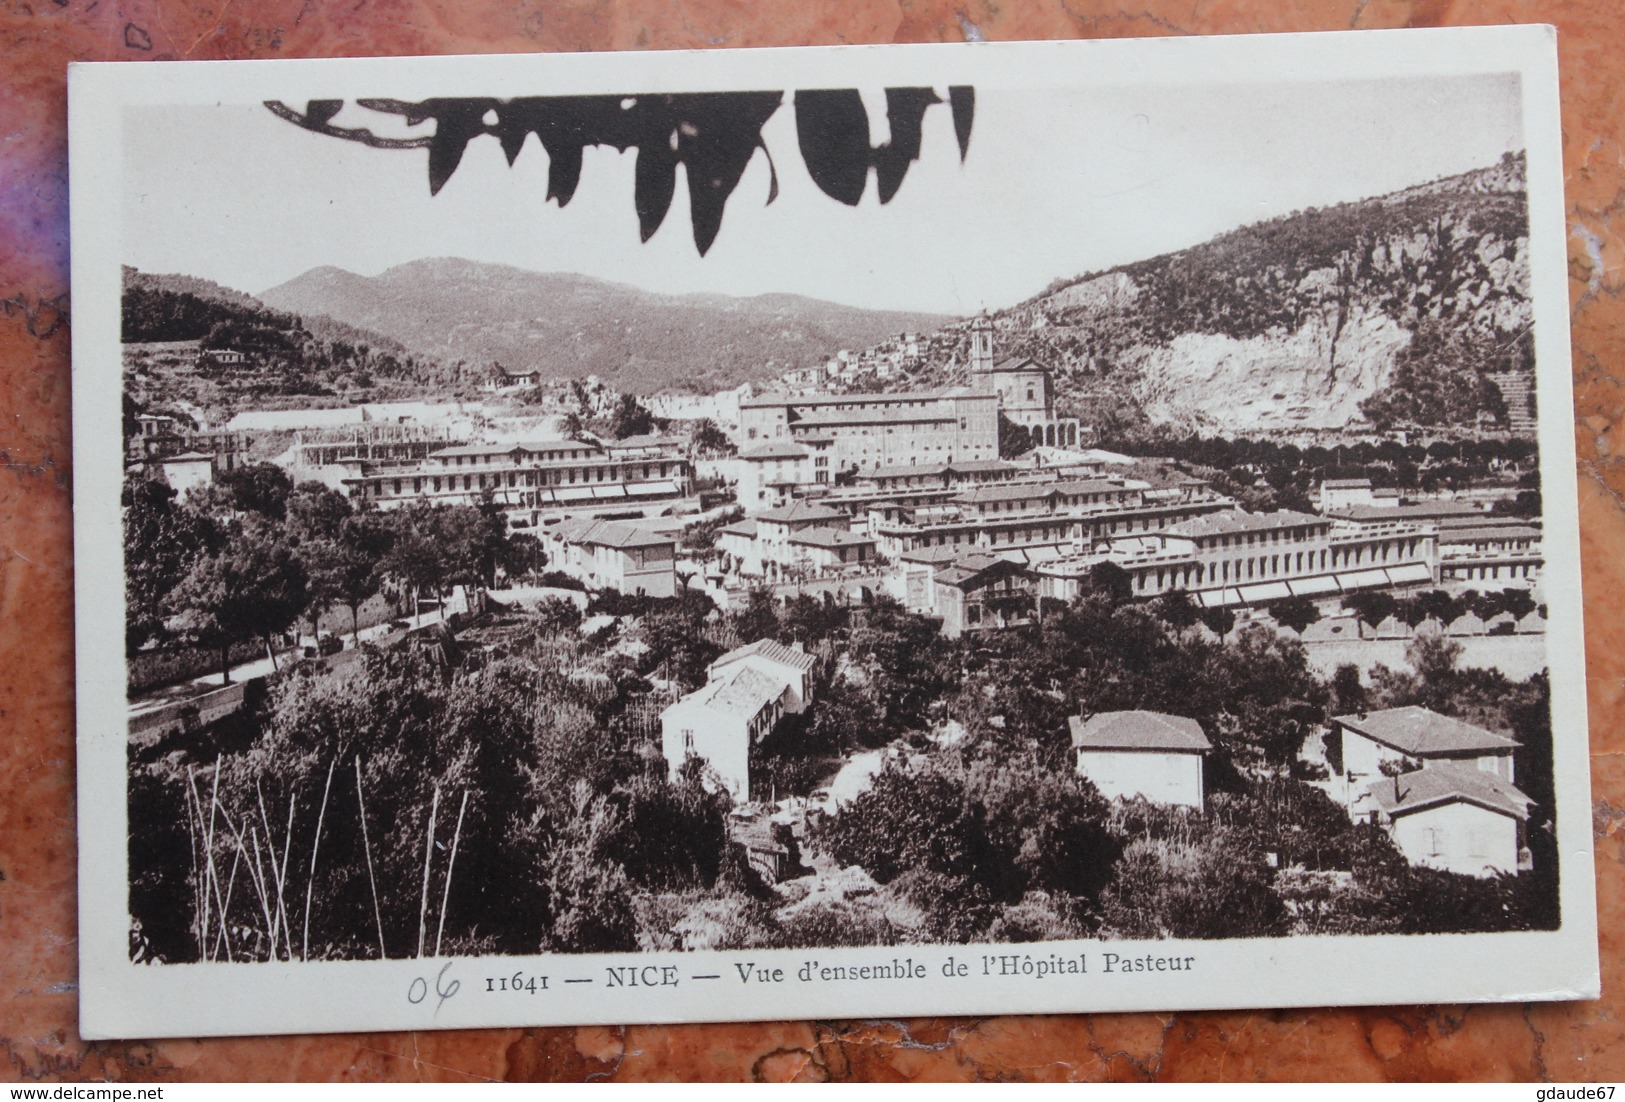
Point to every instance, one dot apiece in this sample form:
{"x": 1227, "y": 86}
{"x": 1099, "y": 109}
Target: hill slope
{"x": 1395, "y": 310}
{"x": 568, "y": 326}
{"x": 168, "y": 319}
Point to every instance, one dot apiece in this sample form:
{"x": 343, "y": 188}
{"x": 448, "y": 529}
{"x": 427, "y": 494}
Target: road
{"x": 259, "y": 667}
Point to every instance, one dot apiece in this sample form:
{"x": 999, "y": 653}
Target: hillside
{"x": 168, "y": 320}
{"x": 568, "y": 326}
{"x": 1393, "y": 310}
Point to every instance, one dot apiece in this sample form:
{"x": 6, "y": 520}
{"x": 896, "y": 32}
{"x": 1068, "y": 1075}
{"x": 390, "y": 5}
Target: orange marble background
{"x": 38, "y": 959}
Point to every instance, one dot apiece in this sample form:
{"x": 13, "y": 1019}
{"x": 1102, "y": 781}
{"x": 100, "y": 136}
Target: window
{"x": 688, "y": 741}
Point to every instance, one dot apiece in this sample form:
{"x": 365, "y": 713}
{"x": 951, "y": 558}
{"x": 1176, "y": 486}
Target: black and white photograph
{"x": 923, "y": 529}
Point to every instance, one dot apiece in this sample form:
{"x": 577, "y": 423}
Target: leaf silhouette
{"x": 712, "y": 135}
{"x": 832, "y": 129}
{"x": 905, "y": 109}
{"x": 962, "y": 102}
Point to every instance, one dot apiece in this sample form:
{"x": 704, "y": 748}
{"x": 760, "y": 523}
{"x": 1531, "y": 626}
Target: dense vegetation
{"x": 975, "y": 825}
{"x": 248, "y": 558}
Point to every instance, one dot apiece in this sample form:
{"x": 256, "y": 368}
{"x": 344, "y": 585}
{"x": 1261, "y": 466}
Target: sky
{"x": 1056, "y": 184}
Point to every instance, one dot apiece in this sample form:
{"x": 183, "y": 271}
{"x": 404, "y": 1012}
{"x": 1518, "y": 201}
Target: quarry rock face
{"x": 1297, "y": 379}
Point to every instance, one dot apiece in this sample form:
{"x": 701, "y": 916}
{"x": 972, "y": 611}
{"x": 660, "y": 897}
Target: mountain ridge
{"x": 567, "y": 325}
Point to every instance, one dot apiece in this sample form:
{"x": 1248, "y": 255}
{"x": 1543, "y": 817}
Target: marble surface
{"x": 38, "y": 996}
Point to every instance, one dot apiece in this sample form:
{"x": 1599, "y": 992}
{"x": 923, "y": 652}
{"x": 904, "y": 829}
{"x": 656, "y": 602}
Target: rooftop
{"x": 1425, "y": 510}
{"x": 770, "y": 649}
{"x": 774, "y": 450}
{"x": 646, "y": 440}
{"x": 1138, "y": 731}
{"x": 799, "y": 512}
{"x": 1346, "y": 484}
{"x": 1442, "y": 784}
{"x": 1423, "y": 733}
{"x": 969, "y": 466}
{"x": 830, "y": 537}
{"x": 739, "y": 528}
{"x": 770, "y": 400}
{"x": 965, "y": 571}
{"x": 931, "y": 412}
{"x": 744, "y": 693}
{"x": 610, "y": 533}
{"x": 1234, "y": 521}
{"x": 1496, "y": 532}
{"x": 1032, "y": 491}
{"x": 508, "y": 447}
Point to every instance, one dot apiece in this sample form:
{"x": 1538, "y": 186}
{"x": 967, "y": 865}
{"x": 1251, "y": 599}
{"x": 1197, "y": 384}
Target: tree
{"x": 630, "y": 418}
{"x": 1348, "y": 693}
{"x": 364, "y": 542}
{"x": 414, "y": 555}
{"x": 589, "y": 893}
{"x": 521, "y": 555}
{"x": 323, "y": 560}
{"x": 1296, "y": 613}
{"x": 261, "y": 488}
{"x": 255, "y": 587}
{"x": 707, "y": 439}
{"x": 1112, "y": 580}
{"x": 758, "y": 619}
{"x": 1014, "y": 439}
{"x": 471, "y": 540}
{"x": 163, "y": 540}
{"x": 315, "y": 511}
{"x": 1372, "y": 606}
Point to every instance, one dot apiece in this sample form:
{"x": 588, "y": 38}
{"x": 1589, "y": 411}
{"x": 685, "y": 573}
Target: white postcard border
{"x": 121, "y": 999}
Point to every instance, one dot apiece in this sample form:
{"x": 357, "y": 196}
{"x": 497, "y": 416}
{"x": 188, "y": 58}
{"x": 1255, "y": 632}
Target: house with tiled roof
{"x": 1371, "y": 744}
{"x": 1152, "y": 755}
{"x": 608, "y": 554}
{"x": 977, "y": 593}
{"x": 748, "y": 691}
{"x": 1452, "y": 817}
{"x": 824, "y": 549}
{"x": 791, "y": 663}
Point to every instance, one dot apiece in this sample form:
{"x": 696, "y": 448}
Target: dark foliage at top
{"x": 712, "y": 135}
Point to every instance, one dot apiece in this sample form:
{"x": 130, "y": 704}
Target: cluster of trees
{"x": 250, "y": 556}
{"x": 1264, "y": 474}
{"x": 1375, "y": 606}
{"x": 1441, "y": 377}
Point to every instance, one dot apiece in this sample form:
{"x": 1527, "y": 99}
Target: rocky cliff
{"x": 1392, "y": 310}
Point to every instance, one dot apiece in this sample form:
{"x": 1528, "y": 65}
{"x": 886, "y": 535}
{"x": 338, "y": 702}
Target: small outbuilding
{"x": 1453, "y": 817}
{"x": 1149, "y": 754}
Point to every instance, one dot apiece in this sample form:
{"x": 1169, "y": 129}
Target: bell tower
{"x": 981, "y": 344}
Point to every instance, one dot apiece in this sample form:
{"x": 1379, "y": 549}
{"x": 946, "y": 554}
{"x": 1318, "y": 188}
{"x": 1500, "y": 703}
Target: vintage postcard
{"x": 826, "y": 533}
